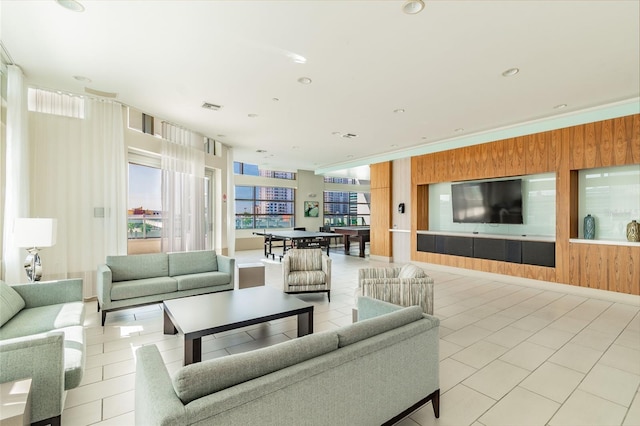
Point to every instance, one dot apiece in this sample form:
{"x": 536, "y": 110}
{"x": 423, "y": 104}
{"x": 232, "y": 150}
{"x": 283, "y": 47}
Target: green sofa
{"x": 372, "y": 372}
{"x": 127, "y": 281}
{"x": 42, "y": 336}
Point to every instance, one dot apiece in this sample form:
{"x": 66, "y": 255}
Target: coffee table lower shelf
{"x": 199, "y": 316}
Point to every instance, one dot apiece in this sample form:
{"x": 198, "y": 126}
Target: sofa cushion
{"x": 10, "y": 303}
{"x": 411, "y": 271}
{"x": 144, "y": 287}
{"x": 205, "y": 279}
{"x": 370, "y": 327}
{"x": 203, "y": 378}
{"x": 192, "y": 262}
{"x": 138, "y": 266}
{"x": 42, "y": 319}
{"x": 306, "y": 278}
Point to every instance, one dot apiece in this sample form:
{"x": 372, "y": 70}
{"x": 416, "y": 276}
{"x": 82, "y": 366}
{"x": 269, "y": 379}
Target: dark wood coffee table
{"x": 198, "y": 316}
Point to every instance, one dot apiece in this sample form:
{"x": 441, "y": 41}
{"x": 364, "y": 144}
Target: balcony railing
{"x": 141, "y": 226}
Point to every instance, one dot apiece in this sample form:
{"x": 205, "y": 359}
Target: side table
{"x": 250, "y": 274}
{"x": 15, "y": 403}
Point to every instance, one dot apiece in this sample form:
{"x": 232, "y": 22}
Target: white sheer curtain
{"x": 17, "y": 174}
{"x": 79, "y": 177}
{"x": 183, "y": 201}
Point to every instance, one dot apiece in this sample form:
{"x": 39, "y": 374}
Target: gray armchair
{"x": 404, "y": 286}
{"x": 306, "y": 271}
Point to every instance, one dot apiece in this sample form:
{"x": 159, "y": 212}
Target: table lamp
{"x": 34, "y": 234}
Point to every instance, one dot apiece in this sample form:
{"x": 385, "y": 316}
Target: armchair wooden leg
{"x": 435, "y": 401}
{"x": 104, "y": 317}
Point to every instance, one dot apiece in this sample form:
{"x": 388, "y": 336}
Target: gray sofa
{"x": 372, "y": 372}
{"x": 42, "y": 336}
{"x": 127, "y": 281}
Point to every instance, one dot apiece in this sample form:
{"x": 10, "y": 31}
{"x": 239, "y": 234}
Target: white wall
{"x": 401, "y": 193}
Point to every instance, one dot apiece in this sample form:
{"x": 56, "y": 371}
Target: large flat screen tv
{"x": 498, "y": 201}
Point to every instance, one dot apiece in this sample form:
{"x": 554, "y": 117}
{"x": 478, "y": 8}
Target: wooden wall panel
{"x": 537, "y": 153}
{"x": 422, "y": 169}
{"x": 515, "y": 156}
{"x": 576, "y": 142}
{"x": 380, "y": 175}
{"x": 634, "y": 124}
{"x": 563, "y": 151}
{"x": 605, "y": 267}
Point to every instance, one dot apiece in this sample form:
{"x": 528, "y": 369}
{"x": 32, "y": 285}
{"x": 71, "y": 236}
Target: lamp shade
{"x": 34, "y": 232}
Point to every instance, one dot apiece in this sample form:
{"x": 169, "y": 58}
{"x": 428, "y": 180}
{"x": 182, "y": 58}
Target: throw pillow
{"x": 411, "y": 271}
{"x": 10, "y": 303}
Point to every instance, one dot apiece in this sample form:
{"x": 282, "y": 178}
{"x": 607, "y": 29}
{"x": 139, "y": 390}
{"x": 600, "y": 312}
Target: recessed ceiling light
{"x": 349, "y": 135}
{"x": 424, "y": 138}
{"x": 560, "y": 106}
{"x": 394, "y": 145}
{"x": 275, "y": 99}
{"x": 260, "y": 151}
{"x": 295, "y": 147}
{"x": 221, "y": 135}
{"x": 335, "y": 133}
{"x": 252, "y": 115}
{"x": 510, "y": 72}
{"x": 82, "y": 78}
{"x": 459, "y": 130}
{"x": 350, "y": 156}
{"x": 72, "y": 5}
{"x": 398, "y": 111}
{"x": 304, "y": 80}
{"x": 412, "y": 7}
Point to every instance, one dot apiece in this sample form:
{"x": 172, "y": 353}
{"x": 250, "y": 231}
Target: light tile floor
{"x": 513, "y": 352}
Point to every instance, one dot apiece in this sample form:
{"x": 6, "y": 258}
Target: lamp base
{"x": 32, "y": 265}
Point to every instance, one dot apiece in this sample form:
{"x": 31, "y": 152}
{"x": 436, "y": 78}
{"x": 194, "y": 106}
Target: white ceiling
{"x": 365, "y": 58}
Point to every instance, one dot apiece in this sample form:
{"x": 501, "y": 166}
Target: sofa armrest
{"x": 326, "y": 268}
{"x": 41, "y": 357}
{"x": 156, "y": 401}
{"x": 43, "y": 293}
{"x": 370, "y": 308}
{"x": 227, "y": 264}
{"x": 103, "y": 284}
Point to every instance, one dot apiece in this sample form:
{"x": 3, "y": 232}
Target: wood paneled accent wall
{"x": 563, "y": 151}
{"x": 381, "y": 205}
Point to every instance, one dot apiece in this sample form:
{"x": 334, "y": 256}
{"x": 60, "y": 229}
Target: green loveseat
{"x": 42, "y": 337}
{"x": 372, "y": 372}
{"x": 127, "y": 281}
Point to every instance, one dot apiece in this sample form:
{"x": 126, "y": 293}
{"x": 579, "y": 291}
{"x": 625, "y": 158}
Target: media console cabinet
{"x": 540, "y": 251}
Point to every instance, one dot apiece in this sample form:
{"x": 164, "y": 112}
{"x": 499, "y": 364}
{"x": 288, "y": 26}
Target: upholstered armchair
{"x": 306, "y": 271}
{"x": 404, "y": 286}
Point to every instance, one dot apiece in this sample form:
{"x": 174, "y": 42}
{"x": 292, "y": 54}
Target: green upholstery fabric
{"x": 42, "y": 319}
{"x": 370, "y": 327}
{"x": 10, "y": 303}
{"x": 192, "y": 262}
{"x": 74, "y": 356}
{"x": 135, "y": 280}
{"x": 41, "y": 358}
{"x": 370, "y": 308}
{"x": 46, "y": 341}
{"x": 138, "y": 266}
{"x": 45, "y": 293}
{"x": 202, "y": 280}
{"x": 197, "y": 380}
{"x": 362, "y": 384}
{"x": 411, "y": 271}
{"x": 142, "y": 287}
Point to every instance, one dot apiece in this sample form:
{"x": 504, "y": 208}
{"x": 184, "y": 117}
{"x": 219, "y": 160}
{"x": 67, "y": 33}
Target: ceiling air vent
{"x": 213, "y": 107}
{"x": 349, "y": 136}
